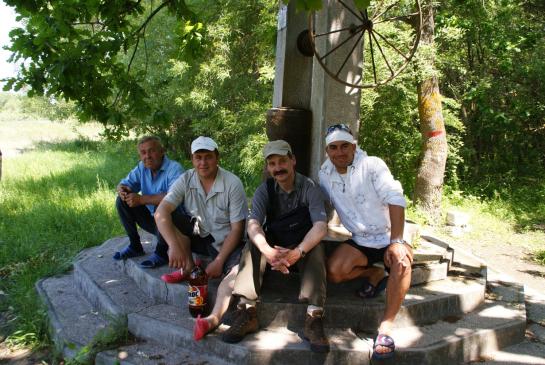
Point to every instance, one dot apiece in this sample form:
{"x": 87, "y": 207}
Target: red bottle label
{"x": 197, "y": 294}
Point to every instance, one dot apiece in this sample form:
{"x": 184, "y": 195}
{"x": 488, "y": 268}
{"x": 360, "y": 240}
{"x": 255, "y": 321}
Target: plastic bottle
{"x": 197, "y": 291}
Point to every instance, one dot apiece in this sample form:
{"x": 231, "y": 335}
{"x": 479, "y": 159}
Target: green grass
{"x": 514, "y": 216}
{"x": 56, "y": 200}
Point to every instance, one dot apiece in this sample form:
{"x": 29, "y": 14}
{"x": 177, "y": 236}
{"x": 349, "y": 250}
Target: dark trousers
{"x": 140, "y": 216}
{"x": 312, "y": 268}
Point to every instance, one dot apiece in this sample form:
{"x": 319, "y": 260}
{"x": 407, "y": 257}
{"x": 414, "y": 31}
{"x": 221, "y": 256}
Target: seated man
{"x": 152, "y": 177}
{"x": 213, "y": 225}
{"x": 285, "y": 226}
{"x": 370, "y": 204}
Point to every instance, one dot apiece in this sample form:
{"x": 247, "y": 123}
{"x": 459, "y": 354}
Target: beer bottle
{"x": 198, "y": 291}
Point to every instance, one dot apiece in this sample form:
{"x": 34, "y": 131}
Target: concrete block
{"x": 73, "y": 322}
{"x": 458, "y": 219}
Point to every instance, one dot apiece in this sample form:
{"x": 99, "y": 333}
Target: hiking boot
{"x": 314, "y": 332}
{"x": 244, "y": 322}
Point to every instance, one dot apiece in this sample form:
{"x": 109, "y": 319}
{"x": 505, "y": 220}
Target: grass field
{"x": 57, "y": 198}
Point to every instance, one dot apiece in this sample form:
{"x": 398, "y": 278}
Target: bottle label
{"x": 197, "y": 294}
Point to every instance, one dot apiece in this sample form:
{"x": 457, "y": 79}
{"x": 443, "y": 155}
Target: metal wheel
{"x": 386, "y": 36}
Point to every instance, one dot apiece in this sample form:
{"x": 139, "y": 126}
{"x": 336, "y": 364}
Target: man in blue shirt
{"x": 152, "y": 178}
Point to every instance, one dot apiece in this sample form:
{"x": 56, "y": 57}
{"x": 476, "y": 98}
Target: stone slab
{"x": 73, "y": 321}
{"x": 149, "y": 353}
{"x": 458, "y": 340}
{"x": 106, "y": 288}
{"x": 271, "y": 346}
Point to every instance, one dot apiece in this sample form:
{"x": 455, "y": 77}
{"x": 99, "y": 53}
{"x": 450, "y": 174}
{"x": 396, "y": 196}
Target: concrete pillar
{"x": 293, "y": 71}
{"x": 331, "y": 101}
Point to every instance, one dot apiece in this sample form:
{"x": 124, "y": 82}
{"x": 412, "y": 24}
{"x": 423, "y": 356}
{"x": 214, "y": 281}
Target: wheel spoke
{"x": 386, "y": 10}
{"x": 333, "y": 31}
{"x": 342, "y": 43}
{"x": 390, "y": 44}
{"x": 405, "y": 18}
{"x": 383, "y": 56}
{"x": 377, "y": 9}
{"x": 350, "y": 53}
{"x": 373, "y": 58}
{"x": 350, "y": 10}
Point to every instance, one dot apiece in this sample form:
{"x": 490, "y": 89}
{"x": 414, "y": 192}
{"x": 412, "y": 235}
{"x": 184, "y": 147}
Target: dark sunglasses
{"x": 334, "y": 127}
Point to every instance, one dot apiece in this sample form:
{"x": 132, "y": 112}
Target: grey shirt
{"x": 224, "y": 204}
{"x": 305, "y": 193}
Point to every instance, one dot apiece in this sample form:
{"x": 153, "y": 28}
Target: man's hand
{"x": 275, "y": 258}
{"x": 133, "y": 200}
{"x": 288, "y": 256}
{"x": 122, "y": 191}
{"x": 176, "y": 258}
{"x": 396, "y": 253}
{"x": 214, "y": 268}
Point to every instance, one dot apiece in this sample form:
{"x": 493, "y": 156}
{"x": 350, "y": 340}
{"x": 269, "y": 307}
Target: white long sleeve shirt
{"x": 362, "y": 196}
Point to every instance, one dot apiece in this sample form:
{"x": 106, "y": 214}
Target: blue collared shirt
{"x": 141, "y": 180}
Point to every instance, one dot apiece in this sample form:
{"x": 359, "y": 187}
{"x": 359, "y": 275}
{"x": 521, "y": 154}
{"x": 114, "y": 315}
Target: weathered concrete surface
{"x": 106, "y": 289}
{"x": 441, "y": 322}
{"x": 73, "y": 322}
{"x": 143, "y": 353}
{"x": 168, "y": 326}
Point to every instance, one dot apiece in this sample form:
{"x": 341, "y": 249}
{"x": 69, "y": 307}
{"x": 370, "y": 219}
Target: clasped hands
{"x": 281, "y": 258}
{"x": 132, "y": 199}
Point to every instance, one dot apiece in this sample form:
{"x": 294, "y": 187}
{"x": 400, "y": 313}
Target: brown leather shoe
{"x": 244, "y": 322}
{"x": 314, "y": 332}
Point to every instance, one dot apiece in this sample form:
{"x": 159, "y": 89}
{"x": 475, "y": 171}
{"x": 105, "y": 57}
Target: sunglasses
{"x": 335, "y": 127}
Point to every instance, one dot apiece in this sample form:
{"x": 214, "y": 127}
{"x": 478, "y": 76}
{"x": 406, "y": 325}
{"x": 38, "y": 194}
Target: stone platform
{"x": 448, "y": 316}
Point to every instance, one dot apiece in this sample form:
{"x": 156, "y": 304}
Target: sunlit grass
{"x": 56, "y": 200}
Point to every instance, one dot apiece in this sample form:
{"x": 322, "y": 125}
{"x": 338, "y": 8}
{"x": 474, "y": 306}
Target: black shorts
{"x": 373, "y": 254}
{"x": 203, "y": 245}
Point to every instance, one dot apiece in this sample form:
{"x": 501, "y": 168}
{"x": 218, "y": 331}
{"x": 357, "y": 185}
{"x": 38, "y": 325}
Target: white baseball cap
{"x": 203, "y": 143}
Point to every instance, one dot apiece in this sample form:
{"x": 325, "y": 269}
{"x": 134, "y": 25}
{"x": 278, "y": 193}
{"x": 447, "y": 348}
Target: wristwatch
{"x": 398, "y": 240}
{"x": 301, "y": 251}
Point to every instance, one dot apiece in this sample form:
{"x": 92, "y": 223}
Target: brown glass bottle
{"x": 197, "y": 291}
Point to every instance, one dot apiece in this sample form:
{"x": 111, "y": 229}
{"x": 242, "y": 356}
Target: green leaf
{"x": 362, "y": 4}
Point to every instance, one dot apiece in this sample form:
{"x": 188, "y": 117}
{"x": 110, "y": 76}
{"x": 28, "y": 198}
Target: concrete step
{"x": 464, "y": 338}
{"x": 73, "y": 321}
{"x": 107, "y": 289}
{"x": 423, "y": 304}
{"x": 151, "y": 353}
{"x": 106, "y": 286}
{"x": 166, "y": 325}
{"x": 431, "y": 264}
{"x": 458, "y": 340}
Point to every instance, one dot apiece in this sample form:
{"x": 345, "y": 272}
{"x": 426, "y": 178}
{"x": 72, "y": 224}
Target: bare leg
{"x": 223, "y": 298}
{"x": 398, "y": 258}
{"x": 347, "y": 263}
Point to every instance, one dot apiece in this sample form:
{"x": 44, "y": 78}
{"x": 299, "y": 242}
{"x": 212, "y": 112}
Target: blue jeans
{"x": 141, "y": 216}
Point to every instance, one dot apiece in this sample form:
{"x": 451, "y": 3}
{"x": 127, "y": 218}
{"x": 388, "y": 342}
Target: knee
{"x": 120, "y": 204}
{"x": 334, "y": 274}
{"x": 401, "y": 268}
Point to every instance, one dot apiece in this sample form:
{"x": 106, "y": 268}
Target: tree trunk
{"x": 429, "y": 180}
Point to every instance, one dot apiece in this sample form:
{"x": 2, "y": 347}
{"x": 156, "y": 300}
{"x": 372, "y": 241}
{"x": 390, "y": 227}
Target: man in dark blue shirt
{"x": 138, "y": 196}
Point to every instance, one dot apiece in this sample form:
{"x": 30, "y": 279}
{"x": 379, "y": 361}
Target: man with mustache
{"x": 152, "y": 178}
{"x": 286, "y": 224}
{"x": 370, "y": 204}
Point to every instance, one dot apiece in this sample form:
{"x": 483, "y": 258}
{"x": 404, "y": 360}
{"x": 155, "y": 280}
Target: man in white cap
{"x": 215, "y": 208}
{"x": 371, "y": 205}
{"x": 286, "y": 225}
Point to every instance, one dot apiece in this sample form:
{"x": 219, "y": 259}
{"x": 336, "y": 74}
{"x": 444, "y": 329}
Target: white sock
{"x": 311, "y": 308}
